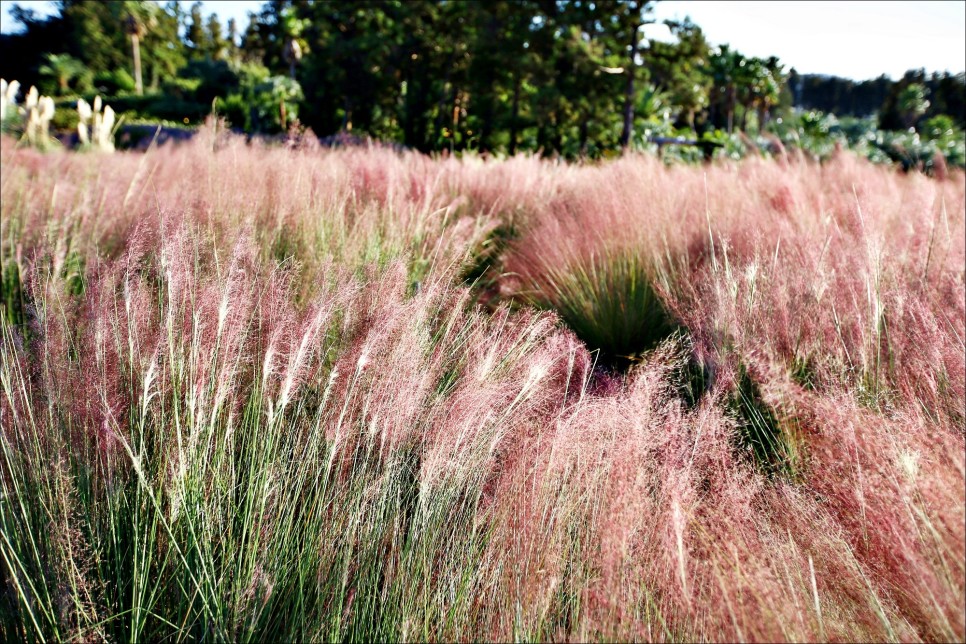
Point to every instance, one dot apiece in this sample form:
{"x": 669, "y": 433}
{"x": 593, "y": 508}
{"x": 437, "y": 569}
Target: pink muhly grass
{"x": 272, "y": 365}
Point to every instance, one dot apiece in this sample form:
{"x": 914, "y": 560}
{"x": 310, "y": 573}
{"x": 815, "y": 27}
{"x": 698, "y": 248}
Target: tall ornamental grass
{"x": 251, "y": 393}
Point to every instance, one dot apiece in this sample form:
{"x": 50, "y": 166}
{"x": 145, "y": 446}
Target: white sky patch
{"x": 857, "y": 40}
{"x": 237, "y": 9}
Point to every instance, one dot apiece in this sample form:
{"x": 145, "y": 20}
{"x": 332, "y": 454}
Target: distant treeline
{"x": 880, "y": 96}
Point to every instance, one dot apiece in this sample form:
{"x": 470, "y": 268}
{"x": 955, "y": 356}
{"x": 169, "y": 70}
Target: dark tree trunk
{"x": 514, "y": 116}
{"x": 557, "y": 138}
{"x": 347, "y": 118}
{"x": 731, "y": 109}
{"x": 486, "y": 127}
{"x": 136, "y": 50}
{"x": 629, "y": 93}
{"x": 414, "y": 121}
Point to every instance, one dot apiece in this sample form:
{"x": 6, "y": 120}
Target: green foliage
{"x": 13, "y": 301}
{"x": 947, "y": 138}
{"x": 916, "y": 96}
{"x": 680, "y": 68}
{"x": 235, "y": 109}
{"x": 912, "y": 151}
{"x": 913, "y": 103}
{"x": 771, "y": 442}
{"x": 504, "y": 76}
{"x": 62, "y": 71}
{"x": 610, "y": 301}
{"x": 939, "y": 128}
{"x": 167, "y": 106}
{"x": 254, "y": 102}
{"x": 210, "y": 79}
{"x": 114, "y": 81}
{"x": 181, "y": 88}
{"x": 197, "y": 38}
{"x": 101, "y": 37}
{"x": 65, "y": 117}
{"x": 840, "y": 96}
{"x": 270, "y": 98}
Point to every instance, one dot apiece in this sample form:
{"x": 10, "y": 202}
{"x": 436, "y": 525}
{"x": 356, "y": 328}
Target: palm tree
{"x": 770, "y": 90}
{"x": 292, "y": 28}
{"x": 63, "y": 68}
{"x": 758, "y": 89}
{"x": 641, "y": 32}
{"x": 913, "y": 103}
{"x": 138, "y": 17}
{"x": 726, "y": 69}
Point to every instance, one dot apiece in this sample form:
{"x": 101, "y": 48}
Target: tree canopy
{"x": 573, "y": 77}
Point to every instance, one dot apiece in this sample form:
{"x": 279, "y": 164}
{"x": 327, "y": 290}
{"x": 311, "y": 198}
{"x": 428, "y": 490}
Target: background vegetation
{"x": 573, "y": 78}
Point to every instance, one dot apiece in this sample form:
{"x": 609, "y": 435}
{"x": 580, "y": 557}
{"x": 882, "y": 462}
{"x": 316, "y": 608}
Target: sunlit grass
{"x": 250, "y": 395}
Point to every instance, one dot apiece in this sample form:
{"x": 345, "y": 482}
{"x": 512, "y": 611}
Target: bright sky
{"x": 237, "y": 9}
{"x": 852, "y": 39}
{"x": 856, "y": 40}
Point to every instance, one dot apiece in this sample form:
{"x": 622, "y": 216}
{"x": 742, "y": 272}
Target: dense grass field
{"x": 267, "y": 394}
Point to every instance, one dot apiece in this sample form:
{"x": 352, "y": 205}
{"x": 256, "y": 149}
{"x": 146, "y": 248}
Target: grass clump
{"x": 609, "y": 300}
{"x": 12, "y": 301}
{"x": 769, "y": 440}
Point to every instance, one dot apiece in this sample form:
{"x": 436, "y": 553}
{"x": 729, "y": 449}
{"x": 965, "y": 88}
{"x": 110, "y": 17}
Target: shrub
{"x": 95, "y": 128}
{"x": 270, "y": 98}
{"x": 113, "y": 82}
{"x": 10, "y": 117}
{"x": 38, "y": 112}
{"x": 209, "y": 79}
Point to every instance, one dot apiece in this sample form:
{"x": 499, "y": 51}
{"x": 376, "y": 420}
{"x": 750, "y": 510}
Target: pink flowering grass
{"x": 256, "y": 393}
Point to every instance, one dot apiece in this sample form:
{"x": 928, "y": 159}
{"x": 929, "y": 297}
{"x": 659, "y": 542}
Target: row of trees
{"x": 572, "y": 76}
{"x": 898, "y": 104}
{"x": 92, "y": 44}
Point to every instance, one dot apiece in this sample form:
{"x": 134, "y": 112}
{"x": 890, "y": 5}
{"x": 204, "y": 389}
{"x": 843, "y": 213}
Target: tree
{"x": 22, "y": 54}
{"x": 62, "y": 68}
{"x": 95, "y": 34}
{"x": 217, "y": 46}
{"x": 947, "y": 95}
{"x": 680, "y": 69}
{"x": 726, "y": 70}
{"x": 292, "y": 27}
{"x": 359, "y": 61}
{"x": 757, "y": 87}
{"x": 196, "y": 35}
{"x": 138, "y": 19}
{"x": 768, "y": 92}
{"x": 630, "y": 18}
{"x": 913, "y": 103}
{"x": 232, "y": 43}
